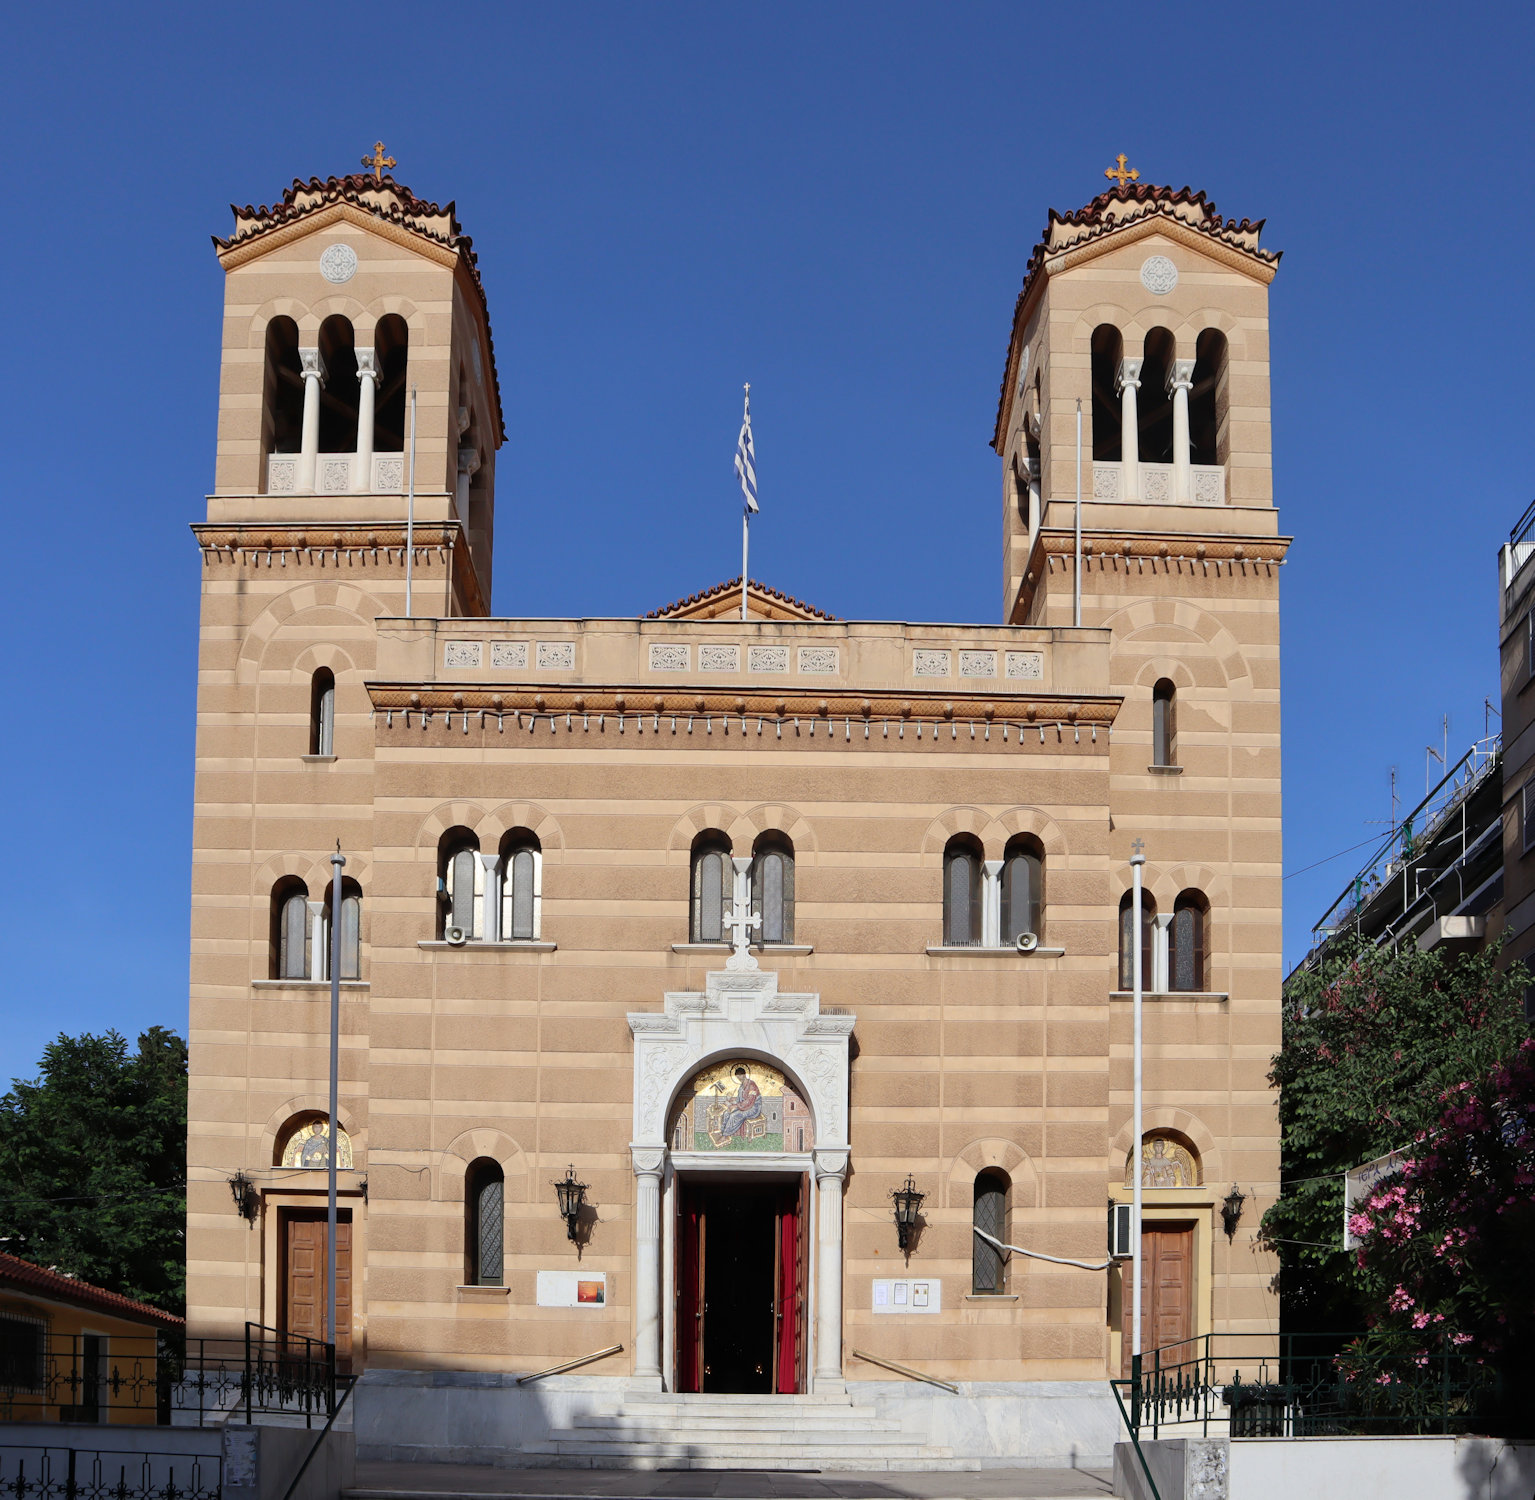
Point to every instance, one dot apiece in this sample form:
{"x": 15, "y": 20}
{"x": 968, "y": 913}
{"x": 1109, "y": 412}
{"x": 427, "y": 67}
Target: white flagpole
{"x": 410, "y": 504}
{"x": 1076, "y": 601}
{"x": 338, "y": 862}
{"x": 746, "y": 520}
{"x": 1137, "y": 860}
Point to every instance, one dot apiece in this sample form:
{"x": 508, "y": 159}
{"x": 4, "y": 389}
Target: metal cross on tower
{"x": 378, "y": 161}
{"x": 1120, "y": 175}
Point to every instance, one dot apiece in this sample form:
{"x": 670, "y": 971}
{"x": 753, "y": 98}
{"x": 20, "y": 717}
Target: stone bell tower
{"x": 354, "y": 319}
{"x": 1146, "y": 312}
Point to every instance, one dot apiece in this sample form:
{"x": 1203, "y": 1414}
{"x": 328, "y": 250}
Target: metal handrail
{"x": 351, "y": 1382}
{"x": 570, "y": 1364}
{"x": 890, "y": 1364}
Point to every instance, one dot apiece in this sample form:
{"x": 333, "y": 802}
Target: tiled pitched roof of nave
{"x": 383, "y": 198}
{"x": 22, "y": 1276}
{"x": 695, "y": 604}
{"x": 1114, "y": 210}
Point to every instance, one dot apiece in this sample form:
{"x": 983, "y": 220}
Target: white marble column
{"x": 1180, "y": 379}
{"x": 649, "y": 1163}
{"x": 367, "y": 387}
{"x": 312, "y": 368}
{"x": 490, "y": 921}
{"x": 991, "y": 903}
{"x": 319, "y": 947}
{"x": 1128, "y": 379}
{"x": 1161, "y": 980}
{"x": 468, "y": 465}
{"x": 830, "y": 1169}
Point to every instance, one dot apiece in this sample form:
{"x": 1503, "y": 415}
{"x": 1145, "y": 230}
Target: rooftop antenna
{"x": 1393, "y": 804}
{"x": 1431, "y": 755}
{"x": 1487, "y": 712}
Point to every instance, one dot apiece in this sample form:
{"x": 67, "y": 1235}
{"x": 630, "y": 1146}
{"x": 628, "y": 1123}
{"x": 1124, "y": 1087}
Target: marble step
{"x": 799, "y": 1422}
{"x": 717, "y": 1437}
{"x": 741, "y": 1456}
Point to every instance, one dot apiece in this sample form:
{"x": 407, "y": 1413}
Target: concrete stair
{"x": 651, "y": 1430}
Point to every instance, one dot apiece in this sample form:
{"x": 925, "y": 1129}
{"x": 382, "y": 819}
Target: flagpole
{"x": 746, "y": 522}
{"x": 338, "y": 862}
{"x": 1137, "y": 860}
{"x": 1076, "y": 571}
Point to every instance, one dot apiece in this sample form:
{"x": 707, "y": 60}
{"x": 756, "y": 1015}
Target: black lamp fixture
{"x": 571, "y": 1195}
{"x": 243, "y": 1190}
{"x": 907, "y": 1203}
{"x": 1231, "y": 1210}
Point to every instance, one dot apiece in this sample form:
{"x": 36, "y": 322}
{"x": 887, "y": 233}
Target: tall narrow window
{"x": 391, "y": 344}
{"x": 1155, "y": 407}
{"x": 1107, "y": 351}
{"x": 484, "y": 1223}
{"x": 1023, "y": 871}
{"x": 1186, "y": 943}
{"x": 338, "y": 409}
{"x": 322, "y": 713}
{"x": 462, "y": 884}
{"x": 351, "y": 931}
{"x": 962, "y": 893}
{"x": 773, "y": 889}
{"x": 282, "y": 399}
{"x": 712, "y": 873}
{"x": 1163, "y": 724}
{"x": 1209, "y": 407}
{"x": 290, "y": 915}
{"x": 1127, "y": 939}
{"x": 989, "y": 1264}
{"x": 520, "y": 895}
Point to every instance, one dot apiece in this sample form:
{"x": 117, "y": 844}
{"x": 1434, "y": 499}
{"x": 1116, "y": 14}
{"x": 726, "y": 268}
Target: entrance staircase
{"x": 655, "y": 1430}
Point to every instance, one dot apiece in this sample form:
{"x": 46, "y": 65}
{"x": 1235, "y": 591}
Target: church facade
{"x": 675, "y": 949}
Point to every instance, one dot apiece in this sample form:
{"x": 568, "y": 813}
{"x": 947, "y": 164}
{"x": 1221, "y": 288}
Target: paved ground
{"x": 388, "y": 1481}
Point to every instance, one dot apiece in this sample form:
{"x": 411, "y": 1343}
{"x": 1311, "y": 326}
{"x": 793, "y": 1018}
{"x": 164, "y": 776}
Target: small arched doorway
{"x": 741, "y": 1135}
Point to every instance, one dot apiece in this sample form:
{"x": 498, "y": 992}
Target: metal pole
{"x": 338, "y": 863}
{"x": 1137, "y": 860}
{"x": 746, "y": 519}
{"x": 410, "y": 505}
{"x": 1076, "y": 592}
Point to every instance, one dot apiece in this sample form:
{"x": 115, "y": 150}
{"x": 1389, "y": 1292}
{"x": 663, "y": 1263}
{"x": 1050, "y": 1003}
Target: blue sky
{"x": 834, "y": 201}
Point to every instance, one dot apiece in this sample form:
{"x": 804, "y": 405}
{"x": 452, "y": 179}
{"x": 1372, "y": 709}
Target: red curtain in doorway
{"x": 790, "y": 1281}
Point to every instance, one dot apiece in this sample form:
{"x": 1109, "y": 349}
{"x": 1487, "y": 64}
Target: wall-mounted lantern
{"x": 571, "y": 1195}
{"x": 908, "y": 1201}
{"x": 243, "y": 1190}
{"x": 1231, "y": 1210}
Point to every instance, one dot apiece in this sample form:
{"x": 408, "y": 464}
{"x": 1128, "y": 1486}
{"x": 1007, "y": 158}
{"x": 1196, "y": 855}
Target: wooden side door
{"x": 304, "y": 1278}
{"x": 690, "y": 1290}
{"x": 787, "y": 1284}
{"x": 1167, "y": 1292}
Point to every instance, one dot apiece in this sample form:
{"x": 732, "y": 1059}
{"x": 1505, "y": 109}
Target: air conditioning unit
{"x": 457, "y": 936}
{"x": 1028, "y": 942}
{"x": 1121, "y": 1237}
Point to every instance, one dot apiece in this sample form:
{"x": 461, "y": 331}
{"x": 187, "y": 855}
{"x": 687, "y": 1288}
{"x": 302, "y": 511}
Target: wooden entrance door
{"x": 304, "y": 1247}
{"x": 709, "y": 1354}
{"x": 1167, "y": 1291}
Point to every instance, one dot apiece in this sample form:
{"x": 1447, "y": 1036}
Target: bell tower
{"x": 355, "y": 321}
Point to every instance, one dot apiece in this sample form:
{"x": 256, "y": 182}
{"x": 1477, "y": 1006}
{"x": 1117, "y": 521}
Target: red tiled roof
{"x": 733, "y": 586}
{"x": 385, "y": 199}
{"x": 23, "y": 1276}
{"x": 1119, "y": 206}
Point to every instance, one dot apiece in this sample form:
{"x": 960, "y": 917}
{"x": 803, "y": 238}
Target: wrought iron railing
{"x": 1299, "y": 1385}
{"x": 66, "y": 1473}
{"x": 163, "y": 1378}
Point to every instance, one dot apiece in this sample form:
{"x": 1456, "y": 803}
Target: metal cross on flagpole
{"x": 746, "y": 472}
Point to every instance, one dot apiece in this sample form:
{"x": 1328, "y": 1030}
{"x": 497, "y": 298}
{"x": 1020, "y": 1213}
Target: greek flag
{"x": 746, "y": 457}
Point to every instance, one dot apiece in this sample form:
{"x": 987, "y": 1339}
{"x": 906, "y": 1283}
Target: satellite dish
{"x": 457, "y": 936}
{"x": 1028, "y": 942}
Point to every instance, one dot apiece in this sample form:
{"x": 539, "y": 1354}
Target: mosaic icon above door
{"x": 742, "y": 1105}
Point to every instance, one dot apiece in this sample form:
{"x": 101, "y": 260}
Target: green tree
{"x": 1372, "y": 1038}
{"x": 93, "y": 1164}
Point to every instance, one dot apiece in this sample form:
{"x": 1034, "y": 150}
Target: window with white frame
{"x": 712, "y": 886}
{"x": 461, "y": 887}
{"x": 521, "y": 887}
{"x": 773, "y": 889}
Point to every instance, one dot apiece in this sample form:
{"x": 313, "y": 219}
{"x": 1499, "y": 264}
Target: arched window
{"x": 322, "y": 713}
{"x": 1209, "y": 407}
{"x": 282, "y": 391}
{"x": 989, "y": 1264}
{"x": 391, "y": 346}
{"x": 339, "y": 394}
{"x": 1023, "y": 889}
{"x": 962, "y": 893}
{"x": 484, "y": 1223}
{"x": 351, "y": 931}
{"x": 521, "y": 886}
{"x": 1155, "y": 407}
{"x": 773, "y": 888}
{"x": 712, "y": 885}
{"x": 1187, "y": 946}
{"x": 290, "y": 929}
{"x": 1163, "y": 724}
{"x": 1127, "y": 940}
{"x": 461, "y": 884}
{"x": 1108, "y": 351}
